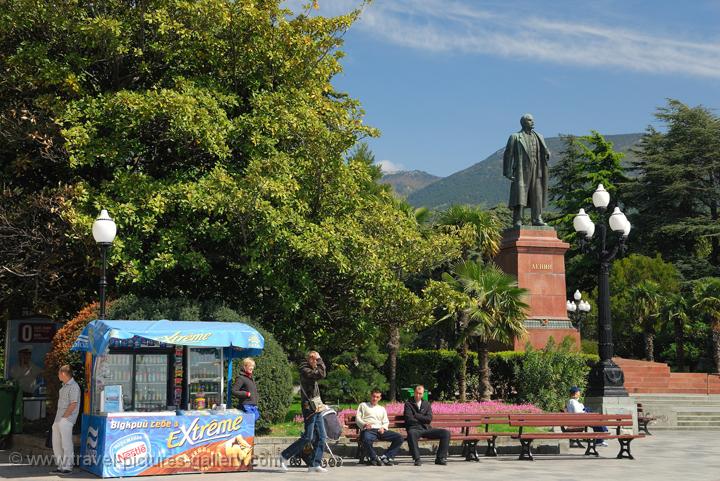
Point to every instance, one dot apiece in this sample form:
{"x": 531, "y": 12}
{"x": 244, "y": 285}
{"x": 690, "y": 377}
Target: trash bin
{"x": 407, "y": 393}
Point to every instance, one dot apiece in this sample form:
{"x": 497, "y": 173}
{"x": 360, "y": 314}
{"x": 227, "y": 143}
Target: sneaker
{"x": 441, "y": 461}
{"x": 384, "y": 460}
{"x": 603, "y": 444}
{"x": 282, "y": 463}
{"x": 317, "y": 469}
{"x": 418, "y": 462}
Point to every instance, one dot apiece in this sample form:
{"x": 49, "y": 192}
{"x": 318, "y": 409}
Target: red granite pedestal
{"x": 536, "y": 257}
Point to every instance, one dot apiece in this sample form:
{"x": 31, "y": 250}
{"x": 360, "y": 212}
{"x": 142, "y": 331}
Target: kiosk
{"x": 158, "y": 398}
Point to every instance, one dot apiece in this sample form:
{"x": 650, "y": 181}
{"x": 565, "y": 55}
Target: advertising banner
{"x": 27, "y": 343}
{"x": 124, "y": 446}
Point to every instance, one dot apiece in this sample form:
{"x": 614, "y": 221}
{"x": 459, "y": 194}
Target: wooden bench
{"x": 568, "y": 420}
{"x": 644, "y": 419}
{"x": 473, "y": 429}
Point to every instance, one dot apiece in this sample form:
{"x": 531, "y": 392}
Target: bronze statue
{"x": 525, "y": 163}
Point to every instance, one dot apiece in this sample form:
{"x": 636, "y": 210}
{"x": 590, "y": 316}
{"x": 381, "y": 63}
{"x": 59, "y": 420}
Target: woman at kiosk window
{"x": 246, "y": 390}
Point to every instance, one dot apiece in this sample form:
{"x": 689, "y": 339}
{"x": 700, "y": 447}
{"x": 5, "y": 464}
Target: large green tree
{"x": 677, "y": 193}
{"x": 646, "y": 301}
{"x": 586, "y": 162}
{"x": 707, "y": 303}
{"x": 213, "y": 134}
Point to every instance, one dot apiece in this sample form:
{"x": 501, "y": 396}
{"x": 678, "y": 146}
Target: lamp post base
{"x": 606, "y": 379}
{"x": 613, "y": 405}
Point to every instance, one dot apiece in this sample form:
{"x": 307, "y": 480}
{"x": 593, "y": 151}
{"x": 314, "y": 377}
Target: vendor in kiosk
{"x": 157, "y": 397}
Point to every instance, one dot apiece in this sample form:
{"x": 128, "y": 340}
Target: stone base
{"x": 614, "y": 405}
{"x": 539, "y": 333}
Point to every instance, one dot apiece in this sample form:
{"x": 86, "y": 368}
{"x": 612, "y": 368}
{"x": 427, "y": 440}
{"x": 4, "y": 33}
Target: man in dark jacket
{"x": 418, "y": 416}
{"x": 245, "y": 389}
{"x": 311, "y": 371}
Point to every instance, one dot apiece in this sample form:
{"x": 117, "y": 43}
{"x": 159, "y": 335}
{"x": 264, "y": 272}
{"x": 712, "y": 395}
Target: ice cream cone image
{"x": 239, "y": 451}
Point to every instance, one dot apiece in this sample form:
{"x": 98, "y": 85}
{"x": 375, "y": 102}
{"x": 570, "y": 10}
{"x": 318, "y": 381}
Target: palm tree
{"x": 485, "y": 246}
{"x": 675, "y": 309}
{"x": 645, "y": 302}
{"x": 495, "y": 311}
{"x": 487, "y": 229}
{"x": 706, "y": 293}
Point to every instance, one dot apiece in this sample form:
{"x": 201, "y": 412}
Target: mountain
{"x": 405, "y": 182}
{"x": 483, "y": 183}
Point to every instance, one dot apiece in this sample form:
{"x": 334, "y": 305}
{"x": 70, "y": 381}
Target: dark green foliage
{"x": 352, "y": 374}
{"x": 677, "y": 193}
{"x": 545, "y": 376}
{"x": 272, "y": 373}
{"x": 435, "y": 369}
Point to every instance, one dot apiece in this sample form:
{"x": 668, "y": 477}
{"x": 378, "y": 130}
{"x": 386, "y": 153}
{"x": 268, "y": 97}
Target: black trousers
{"x": 414, "y": 434}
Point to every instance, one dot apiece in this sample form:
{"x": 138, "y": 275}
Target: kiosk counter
{"x": 155, "y": 400}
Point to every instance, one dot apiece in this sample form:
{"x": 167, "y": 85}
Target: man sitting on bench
{"x": 418, "y": 416}
{"x": 575, "y": 406}
{"x": 372, "y": 419}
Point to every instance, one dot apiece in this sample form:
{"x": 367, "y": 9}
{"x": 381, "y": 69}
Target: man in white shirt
{"x": 575, "y": 406}
{"x": 373, "y": 421}
{"x": 68, "y": 408}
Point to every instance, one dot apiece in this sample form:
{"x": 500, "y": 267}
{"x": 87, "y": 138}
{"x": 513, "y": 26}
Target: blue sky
{"x": 446, "y": 81}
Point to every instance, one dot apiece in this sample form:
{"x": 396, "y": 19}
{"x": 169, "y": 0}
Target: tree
{"x": 213, "y": 134}
{"x": 646, "y": 300}
{"x": 677, "y": 192}
{"x": 586, "y": 161}
{"x": 627, "y": 273}
{"x": 675, "y": 309}
{"x": 493, "y": 304}
{"x": 707, "y": 302}
{"x": 485, "y": 245}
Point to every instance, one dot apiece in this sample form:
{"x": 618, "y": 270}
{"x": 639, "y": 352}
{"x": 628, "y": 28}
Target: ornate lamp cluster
{"x": 606, "y": 378}
{"x": 577, "y": 309}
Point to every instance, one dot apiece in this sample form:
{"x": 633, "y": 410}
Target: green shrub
{"x": 352, "y": 374}
{"x": 588, "y": 346}
{"x": 502, "y": 373}
{"x": 436, "y": 369}
{"x": 272, "y": 373}
{"x": 545, "y": 376}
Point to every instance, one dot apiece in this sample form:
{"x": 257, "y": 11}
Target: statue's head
{"x": 527, "y": 122}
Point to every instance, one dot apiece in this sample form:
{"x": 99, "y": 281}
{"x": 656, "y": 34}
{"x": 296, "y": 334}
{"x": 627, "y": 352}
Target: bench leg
{"x": 643, "y": 426}
{"x": 625, "y": 449}
{"x": 491, "y": 450}
{"x": 576, "y": 443}
{"x": 470, "y": 451}
{"x": 591, "y": 448}
{"x": 525, "y": 449}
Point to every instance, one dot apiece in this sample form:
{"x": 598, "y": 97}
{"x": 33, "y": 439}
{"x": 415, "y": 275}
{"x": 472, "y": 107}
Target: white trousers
{"x": 62, "y": 443}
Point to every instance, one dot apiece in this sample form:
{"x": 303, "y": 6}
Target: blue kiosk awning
{"x": 238, "y": 338}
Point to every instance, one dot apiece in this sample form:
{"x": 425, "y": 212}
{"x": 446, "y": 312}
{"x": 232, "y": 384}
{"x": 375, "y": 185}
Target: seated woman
{"x": 575, "y": 406}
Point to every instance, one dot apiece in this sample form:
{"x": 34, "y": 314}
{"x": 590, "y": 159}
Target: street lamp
{"x": 578, "y": 310}
{"x": 606, "y": 378}
{"x": 104, "y": 230}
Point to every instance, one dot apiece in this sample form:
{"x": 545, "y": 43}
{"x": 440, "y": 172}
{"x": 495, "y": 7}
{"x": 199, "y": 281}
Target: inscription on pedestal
{"x": 541, "y": 267}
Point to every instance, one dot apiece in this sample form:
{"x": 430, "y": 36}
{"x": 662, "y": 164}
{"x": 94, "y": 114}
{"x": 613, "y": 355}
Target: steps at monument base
{"x": 655, "y": 377}
{"x": 681, "y": 411}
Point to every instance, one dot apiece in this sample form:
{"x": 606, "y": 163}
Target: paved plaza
{"x": 667, "y": 455}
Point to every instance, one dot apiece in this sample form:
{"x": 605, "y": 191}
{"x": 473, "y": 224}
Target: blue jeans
{"x": 369, "y": 436}
{"x": 314, "y": 426}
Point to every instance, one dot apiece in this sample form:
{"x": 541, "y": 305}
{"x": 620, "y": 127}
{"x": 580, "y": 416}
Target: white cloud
{"x": 455, "y": 26}
{"x": 389, "y": 167}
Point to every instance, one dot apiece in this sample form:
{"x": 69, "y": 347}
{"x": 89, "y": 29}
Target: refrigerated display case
{"x": 204, "y": 377}
{"x": 143, "y": 376}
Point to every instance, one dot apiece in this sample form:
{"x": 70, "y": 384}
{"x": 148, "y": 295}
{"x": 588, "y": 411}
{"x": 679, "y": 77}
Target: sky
{"x": 446, "y": 81}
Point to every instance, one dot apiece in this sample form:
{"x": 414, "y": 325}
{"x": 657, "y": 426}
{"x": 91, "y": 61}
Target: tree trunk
{"x": 649, "y": 346}
{"x": 484, "y": 387}
{"x": 679, "y": 345}
{"x": 716, "y": 345}
{"x": 462, "y": 373}
{"x": 393, "y": 348}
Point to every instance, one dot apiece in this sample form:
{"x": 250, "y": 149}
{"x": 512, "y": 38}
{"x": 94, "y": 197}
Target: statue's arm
{"x": 509, "y": 158}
